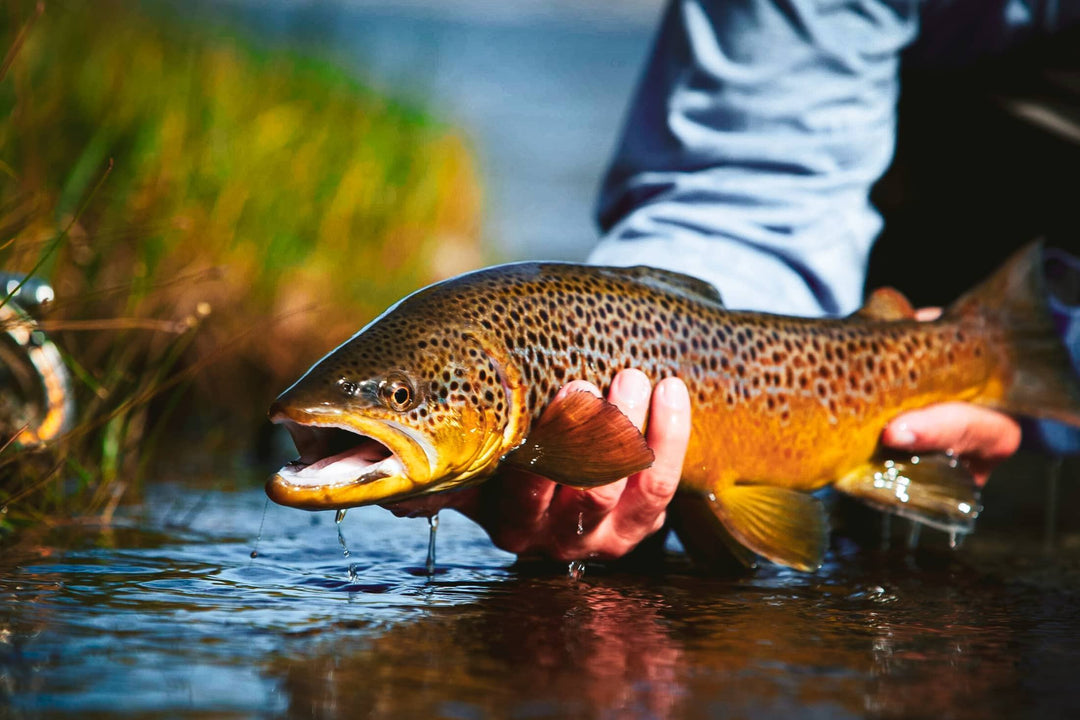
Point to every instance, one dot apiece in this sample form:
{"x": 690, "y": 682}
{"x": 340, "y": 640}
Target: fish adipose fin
{"x": 785, "y": 526}
{"x": 583, "y": 441}
{"x": 1040, "y": 381}
{"x": 934, "y": 489}
{"x": 886, "y": 303}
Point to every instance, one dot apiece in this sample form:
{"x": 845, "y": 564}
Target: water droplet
{"x": 258, "y": 538}
{"x": 341, "y": 538}
{"x": 575, "y": 570}
{"x": 354, "y": 572}
{"x": 433, "y": 526}
{"x": 954, "y": 539}
{"x": 580, "y": 523}
{"x": 340, "y": 515}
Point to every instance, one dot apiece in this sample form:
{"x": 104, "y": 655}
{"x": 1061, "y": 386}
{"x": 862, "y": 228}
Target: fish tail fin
{"x": 1039, "y": 380}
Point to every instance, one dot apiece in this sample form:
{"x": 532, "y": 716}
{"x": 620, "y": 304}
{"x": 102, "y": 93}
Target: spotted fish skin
{"x": 777, "y": 402}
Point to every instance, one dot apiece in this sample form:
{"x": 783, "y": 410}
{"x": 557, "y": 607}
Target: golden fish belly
{"x": 806, "y": 419}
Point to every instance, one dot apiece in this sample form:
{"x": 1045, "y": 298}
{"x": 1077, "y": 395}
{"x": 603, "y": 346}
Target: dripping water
{"x": 340, "y": 536}
{"x": 956, "y": 538}
{"x": 575, "y": 570}
{"x": 580, "y": 523}
{"x": 433, "y": 526}
{"x": 262, "y": 522}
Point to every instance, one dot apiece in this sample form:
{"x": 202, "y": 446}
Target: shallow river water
{"x": 167, "y": 614}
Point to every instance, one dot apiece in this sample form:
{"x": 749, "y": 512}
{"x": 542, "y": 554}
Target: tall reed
{"x": 213, "y": 214}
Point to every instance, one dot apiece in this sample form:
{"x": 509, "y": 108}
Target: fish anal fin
{"x": 933, "y": 489}
{"x": 785, "y": 526}
{"x": 886, "y": 303}
{"x": 583, "y": 441}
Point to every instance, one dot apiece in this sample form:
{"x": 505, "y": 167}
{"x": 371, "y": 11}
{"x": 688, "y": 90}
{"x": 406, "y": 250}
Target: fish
{"x": 457, "y": 381}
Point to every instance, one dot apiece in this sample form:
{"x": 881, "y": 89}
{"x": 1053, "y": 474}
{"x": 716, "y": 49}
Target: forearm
{"x": 751, "y": 147}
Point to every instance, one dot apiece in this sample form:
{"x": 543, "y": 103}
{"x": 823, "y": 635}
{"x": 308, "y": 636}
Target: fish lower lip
{"x": 338, "y": 474}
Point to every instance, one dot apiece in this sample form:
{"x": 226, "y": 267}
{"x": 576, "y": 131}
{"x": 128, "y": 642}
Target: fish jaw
{"x": 347, "y": 461}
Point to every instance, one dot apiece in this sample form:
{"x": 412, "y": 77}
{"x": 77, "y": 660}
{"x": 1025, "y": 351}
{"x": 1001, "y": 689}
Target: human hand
{"x": 530, "y": 515}
{"x": 980, "y": 437}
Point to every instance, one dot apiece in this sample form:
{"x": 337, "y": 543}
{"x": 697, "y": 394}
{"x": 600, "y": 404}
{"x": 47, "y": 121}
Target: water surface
{"x": 166, "y": 615}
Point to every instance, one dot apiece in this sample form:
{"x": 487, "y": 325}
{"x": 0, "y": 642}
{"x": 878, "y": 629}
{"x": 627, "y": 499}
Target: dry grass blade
{"x": 17, "y": 44}
{"x": 255, "y": 169}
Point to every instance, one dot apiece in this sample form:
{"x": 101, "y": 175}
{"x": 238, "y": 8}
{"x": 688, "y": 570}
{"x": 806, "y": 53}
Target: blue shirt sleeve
{"x": 759, "y": 128}
{"x": 751, "y": 146}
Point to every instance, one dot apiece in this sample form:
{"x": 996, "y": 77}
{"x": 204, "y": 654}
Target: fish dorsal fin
{"x": 933, "y": 489}
{"x": 671, "y": 281}
{"x": 886, "y": 303}
{"x": 786, "y": 526}
{"x": 583, "y": 441}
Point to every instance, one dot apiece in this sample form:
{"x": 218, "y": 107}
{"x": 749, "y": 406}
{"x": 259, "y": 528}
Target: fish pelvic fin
{"x": 583, "y": 441}
{"x": 935, "y": 489}
{"x": 1039, "y": 379}
{"x": 886, "y": 303}
{"x": 703, "y": 536}
{"x": 785, "y": 526}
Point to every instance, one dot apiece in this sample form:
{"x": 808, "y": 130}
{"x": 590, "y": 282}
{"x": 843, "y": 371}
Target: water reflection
{"x": 165, "y": 621}
{"x": 682, "y": 646}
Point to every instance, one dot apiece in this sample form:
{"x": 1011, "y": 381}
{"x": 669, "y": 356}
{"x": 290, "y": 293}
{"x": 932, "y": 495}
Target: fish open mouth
{"x": 332, "y": 456}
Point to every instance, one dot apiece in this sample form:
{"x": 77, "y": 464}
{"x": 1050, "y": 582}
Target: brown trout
{"x": 449, "y": 384}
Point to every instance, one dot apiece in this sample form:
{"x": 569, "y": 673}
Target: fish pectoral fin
{"x": 785, "y": 526}
{"x": 886, "y": 303}
{"x": 583, "y": 441}
{"x": 933, "y": 489}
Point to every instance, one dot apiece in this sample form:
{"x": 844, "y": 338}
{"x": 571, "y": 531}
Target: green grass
{"x": 260, "y": 207}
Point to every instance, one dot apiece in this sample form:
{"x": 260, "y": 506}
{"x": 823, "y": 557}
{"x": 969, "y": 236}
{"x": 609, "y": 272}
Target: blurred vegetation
{"x": 260, "y": 207}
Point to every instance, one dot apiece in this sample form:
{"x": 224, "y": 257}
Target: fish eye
{"x": 397, "y": 394}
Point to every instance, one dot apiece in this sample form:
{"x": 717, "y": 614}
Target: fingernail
{"x": 901, "y": 435}
{"x": 633, "y": 387}
{"x": 674, "y": 394}
{"x": 578, "y": 386}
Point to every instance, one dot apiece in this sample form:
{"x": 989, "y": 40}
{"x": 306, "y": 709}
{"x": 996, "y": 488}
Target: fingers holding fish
{"x": 610, "y": 527}
{"x": 645, "y": 500}
{"x": 983, "y": 438}
{"x": 630, "y": 392}
{"x": 530, "y": 515}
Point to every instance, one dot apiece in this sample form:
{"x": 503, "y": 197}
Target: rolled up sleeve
{"x": 751, "y": 146}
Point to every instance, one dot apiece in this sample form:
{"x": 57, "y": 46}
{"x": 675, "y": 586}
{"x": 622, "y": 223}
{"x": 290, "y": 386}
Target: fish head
{"x": 400, "y": 410}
